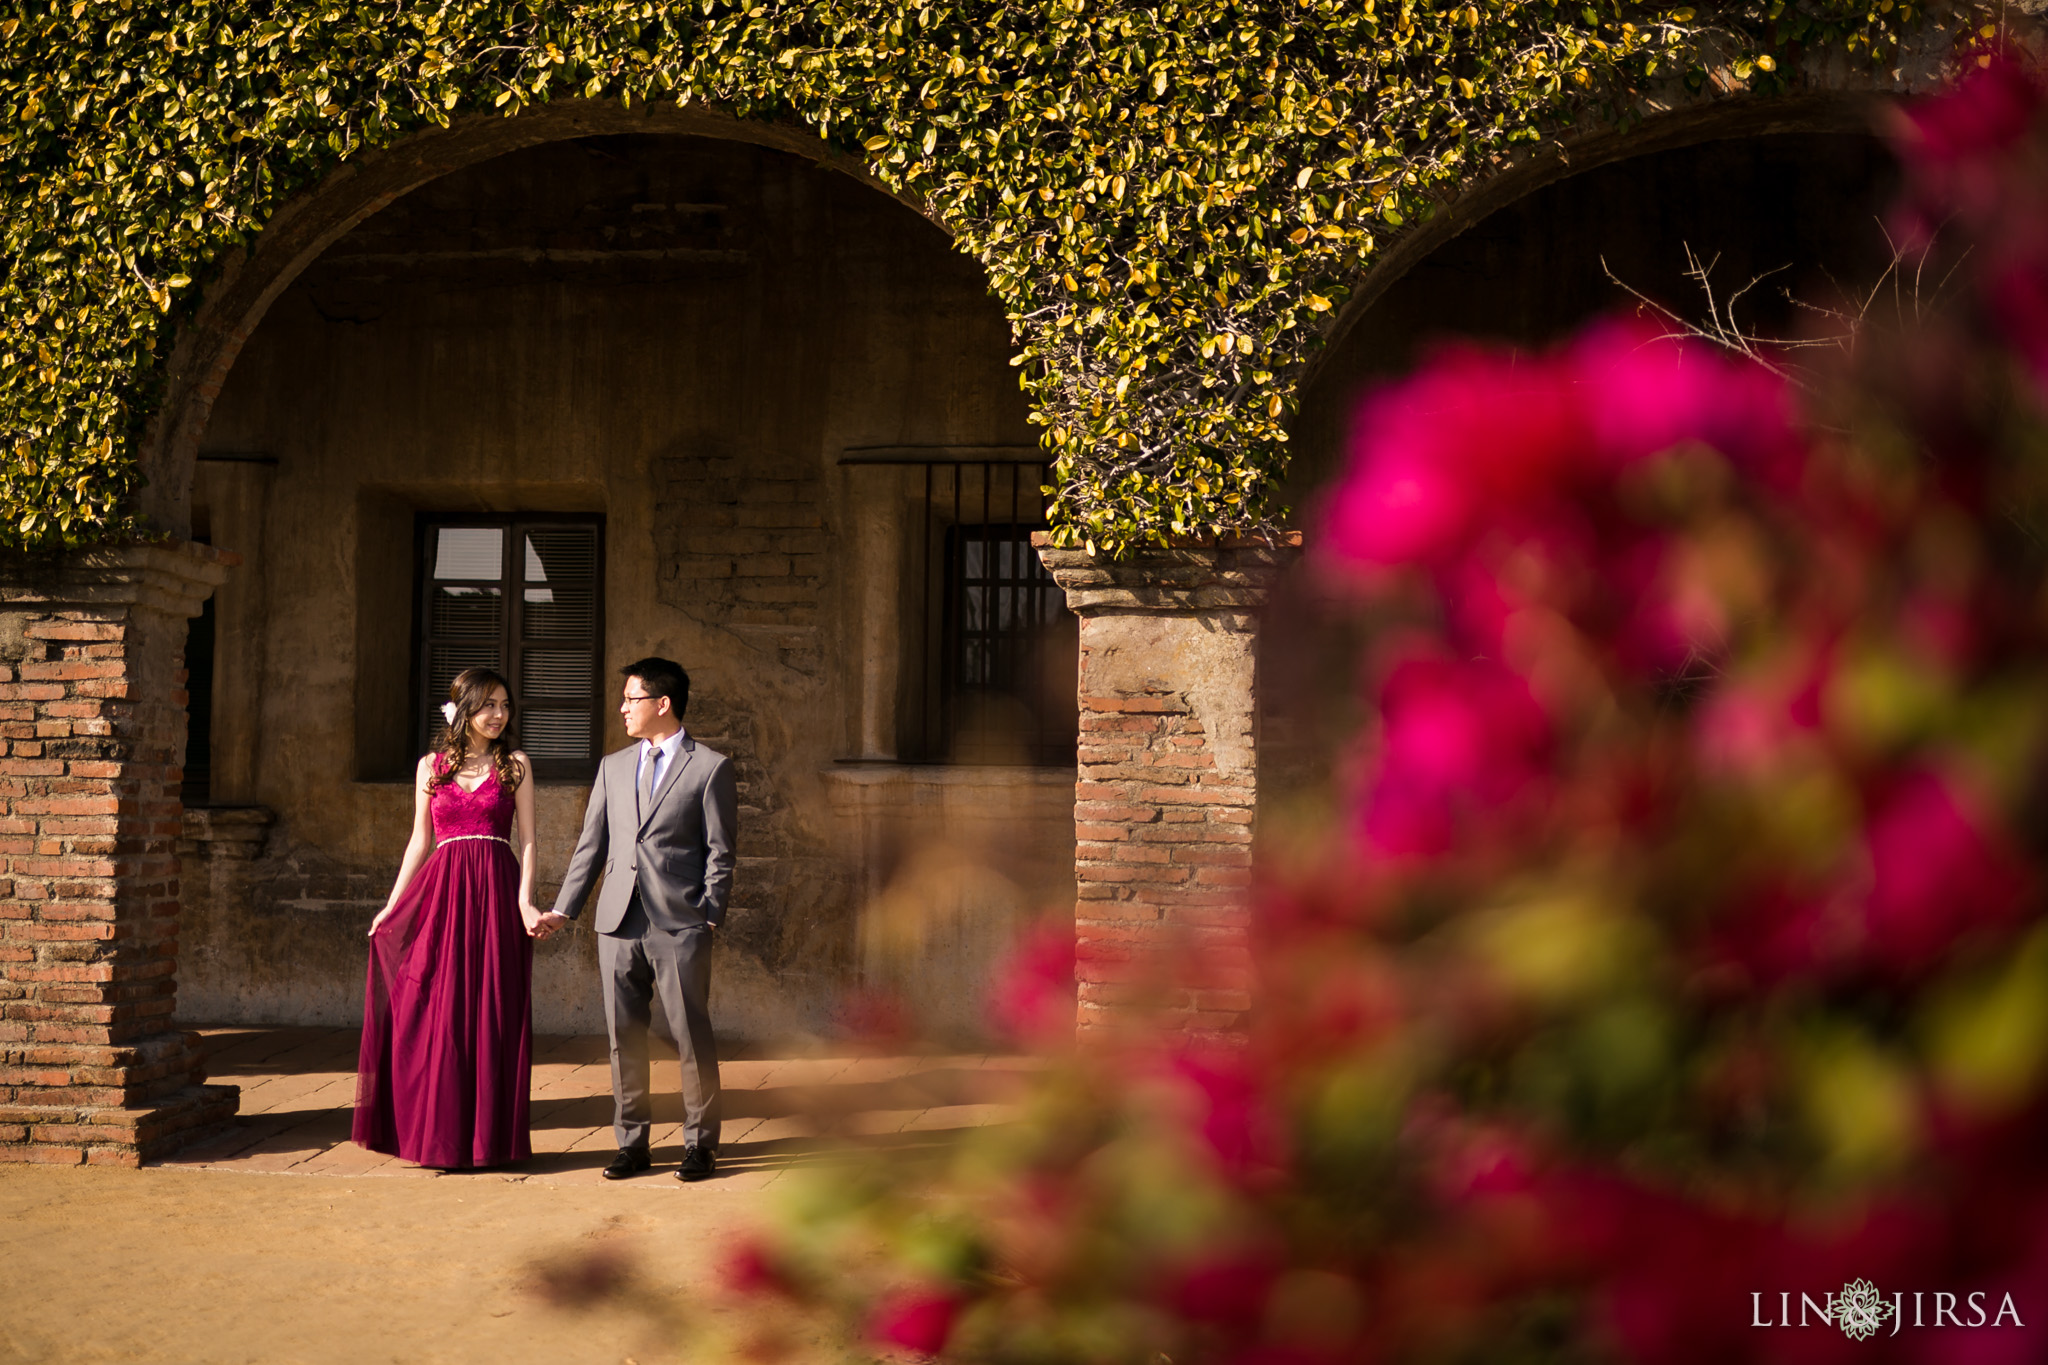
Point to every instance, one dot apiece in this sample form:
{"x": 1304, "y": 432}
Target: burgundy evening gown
{"x": 447, "y": 1015}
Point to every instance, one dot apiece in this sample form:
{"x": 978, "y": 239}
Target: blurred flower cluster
{"x": 1684, "y": 939}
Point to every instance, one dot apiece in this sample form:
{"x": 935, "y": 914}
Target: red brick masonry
{"x": 1167, "y": 787}
{"x": 92, "y": 722}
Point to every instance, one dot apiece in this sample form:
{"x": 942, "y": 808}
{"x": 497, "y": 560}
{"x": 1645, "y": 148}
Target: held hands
{"x": 543, "y": 924}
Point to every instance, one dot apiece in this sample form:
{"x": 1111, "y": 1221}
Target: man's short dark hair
{"x": 662, "y": 678}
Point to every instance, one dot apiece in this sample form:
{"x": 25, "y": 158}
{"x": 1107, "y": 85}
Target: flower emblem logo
{"x": 1860, "y": 1310}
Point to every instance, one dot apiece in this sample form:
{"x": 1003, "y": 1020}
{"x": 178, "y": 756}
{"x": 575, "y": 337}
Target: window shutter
{"x": 523, "y": 596}
{"x": 557, "y": 641}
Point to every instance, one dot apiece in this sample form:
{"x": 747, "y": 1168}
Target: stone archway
{"x": 92, "y": 1066}
{"x": 94, "y": 1070}
{"x": 1166, "y": 821}
{"x": 1831, "y": 102}
{"x": 682, "y": 341}
{"x": 249, "y": 282}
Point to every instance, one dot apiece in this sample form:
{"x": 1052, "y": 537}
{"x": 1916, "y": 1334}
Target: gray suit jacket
{"x": 679, "y": 852}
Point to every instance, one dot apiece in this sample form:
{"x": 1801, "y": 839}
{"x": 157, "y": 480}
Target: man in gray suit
{"x": 663, "y": 818}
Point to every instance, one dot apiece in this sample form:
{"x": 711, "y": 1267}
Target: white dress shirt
{"x": 662, "y": 755}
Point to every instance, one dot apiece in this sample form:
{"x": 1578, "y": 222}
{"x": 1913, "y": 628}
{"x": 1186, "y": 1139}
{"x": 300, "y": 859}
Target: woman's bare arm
{"x": 416, "y": 848}
{"x": 522, "y": 812}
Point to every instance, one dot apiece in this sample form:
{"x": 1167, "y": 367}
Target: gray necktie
{"x": 647, "y": 779}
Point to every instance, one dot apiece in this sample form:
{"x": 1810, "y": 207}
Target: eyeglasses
{"x": 630, "y": 697}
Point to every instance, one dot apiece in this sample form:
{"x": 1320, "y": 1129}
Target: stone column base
{"x": 92, "y": 720}
{"x": 1167, "y": 787}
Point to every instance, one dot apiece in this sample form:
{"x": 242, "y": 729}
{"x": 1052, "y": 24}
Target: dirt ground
{"x": 280, "y": 1242}
{"x": 176, "y": 1266}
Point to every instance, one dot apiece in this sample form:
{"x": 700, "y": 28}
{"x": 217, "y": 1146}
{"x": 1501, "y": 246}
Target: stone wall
{"x": 92, "y": 718}
{"x": 682, "y": 336}
{"x": 1167, "y": 789}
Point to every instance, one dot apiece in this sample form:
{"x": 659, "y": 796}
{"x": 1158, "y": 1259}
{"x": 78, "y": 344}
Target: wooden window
{"x": 523, "y": 595}
{"x": 1009, "y": 651}
{"x": 992, "y": 650}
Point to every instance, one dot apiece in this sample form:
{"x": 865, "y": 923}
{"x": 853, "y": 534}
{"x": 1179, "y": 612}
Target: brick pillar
{"x": 1167, "y": 788}
{"x": 92, "y": 719}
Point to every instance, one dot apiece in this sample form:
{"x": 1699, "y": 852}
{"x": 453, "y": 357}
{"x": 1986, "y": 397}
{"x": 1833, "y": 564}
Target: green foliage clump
{"x": 1169, "y": 198}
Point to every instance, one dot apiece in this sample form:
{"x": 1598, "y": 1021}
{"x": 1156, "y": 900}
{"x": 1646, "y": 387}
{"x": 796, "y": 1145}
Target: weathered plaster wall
{"x": 680, "y": 334}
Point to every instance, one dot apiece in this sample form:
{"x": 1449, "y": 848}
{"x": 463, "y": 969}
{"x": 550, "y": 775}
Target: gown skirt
{"x": 447, "y": 1015}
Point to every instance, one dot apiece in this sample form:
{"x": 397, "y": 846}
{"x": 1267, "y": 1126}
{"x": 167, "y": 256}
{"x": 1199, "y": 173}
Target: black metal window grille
{"x": 997, "y": 648}
{"x": 197, "y": 789}
{"x": 523, "y": 595}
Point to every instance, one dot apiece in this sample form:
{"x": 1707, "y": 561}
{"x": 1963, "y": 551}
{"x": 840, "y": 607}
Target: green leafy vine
{"x": 1170, "y": 199}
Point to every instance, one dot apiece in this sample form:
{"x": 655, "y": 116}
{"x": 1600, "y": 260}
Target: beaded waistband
{"x": 457, "y": 838}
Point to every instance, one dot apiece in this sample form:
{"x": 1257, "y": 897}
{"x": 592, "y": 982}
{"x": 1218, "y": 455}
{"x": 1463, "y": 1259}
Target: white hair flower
{"x": 448, "y": 711}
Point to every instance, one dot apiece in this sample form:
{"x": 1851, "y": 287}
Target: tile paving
{"x": 298, "y": 1090}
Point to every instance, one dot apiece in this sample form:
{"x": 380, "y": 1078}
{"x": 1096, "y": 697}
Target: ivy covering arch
{"x": 1168, "y": 198}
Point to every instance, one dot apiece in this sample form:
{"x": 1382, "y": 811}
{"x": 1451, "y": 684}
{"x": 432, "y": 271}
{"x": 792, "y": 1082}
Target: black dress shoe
{"x": 698, "y": 1162}
{"x": 629, "y": 1161}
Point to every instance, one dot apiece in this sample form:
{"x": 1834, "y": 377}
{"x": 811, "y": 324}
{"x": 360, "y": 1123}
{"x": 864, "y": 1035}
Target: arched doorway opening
{"x": 608, "y": 394}
{"x": 1798, "y": 212}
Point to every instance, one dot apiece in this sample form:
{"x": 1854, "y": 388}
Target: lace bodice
{"x": 487, "y": 810}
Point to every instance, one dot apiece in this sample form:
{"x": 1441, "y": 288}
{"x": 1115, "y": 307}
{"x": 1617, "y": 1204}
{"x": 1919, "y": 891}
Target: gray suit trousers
{"x": 638, "y": 963}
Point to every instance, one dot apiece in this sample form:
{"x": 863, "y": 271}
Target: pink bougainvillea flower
{"x": 916, "y": 1318}
{"x": 1931, "y": 870}
{"x": 1647, "y": 392}
{"x": 1226, "y": 1287}
{"x": 1990, "y": 110}
{"x": 1032, "y": 997}
{"x": 1743, "y": 732}
{"x": 1474, "y": 430}
{"x": 751, "y": 1267}
{"x": 1777, "y": 933}
{"x": 1671, "y": 1276}
{"x": 1237, "y": 1124}
{"x": 1458, "y": 739}
{"x": 1469, "y": 1162}
{"x": 1937, "y": 870}
{"x": 1970, "y": 158}
{"x": 1399, "y": 510}
{"x": 1670, "y": 624}
{"x": 2019, "y": 301}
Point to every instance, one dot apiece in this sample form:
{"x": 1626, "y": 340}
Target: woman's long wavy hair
{"x": 470, "y": 693}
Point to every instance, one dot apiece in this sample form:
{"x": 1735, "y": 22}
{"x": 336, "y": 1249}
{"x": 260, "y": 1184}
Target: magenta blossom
{"x": 1482, "y": 439}
{"x": 917, "y": 1319}
{"x": 1227, "y": 1288}
{"x": 1987, "y": 113}
{"x": 1459, "y": 740}
{"x": 1237, "y": 1125}
{"x": 1937, "y": 871}
{"x": 1646, "y": 393}
{"x": 1032, "y": 997}
{"x": 1475, "y": 431}
{"x": 752, "y": 1267}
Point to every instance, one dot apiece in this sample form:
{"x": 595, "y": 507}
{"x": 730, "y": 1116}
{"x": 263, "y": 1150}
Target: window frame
{"x": 512, "y": 622}
{"x": 1047, "y": 744}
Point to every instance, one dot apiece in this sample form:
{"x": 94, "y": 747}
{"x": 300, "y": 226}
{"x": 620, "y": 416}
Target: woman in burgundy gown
{"x": 447, "y": 1017}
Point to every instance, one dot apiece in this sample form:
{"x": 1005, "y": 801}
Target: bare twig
{"x": 1720, "y": 326}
